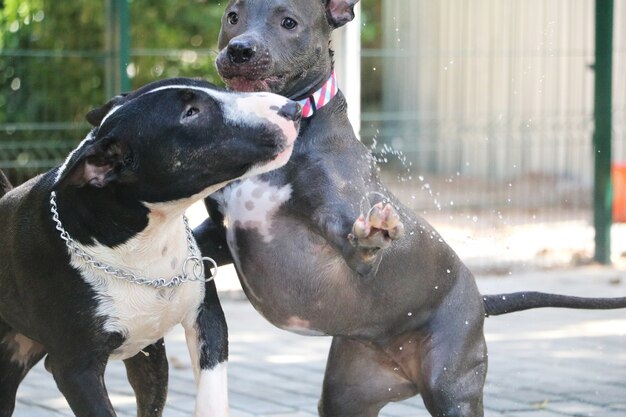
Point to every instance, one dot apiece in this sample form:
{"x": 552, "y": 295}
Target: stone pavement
{"x": 543, "y": 363}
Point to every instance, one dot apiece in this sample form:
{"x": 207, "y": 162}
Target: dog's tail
{"x": 5, "y": 185}
{"x": 497, "y": 304}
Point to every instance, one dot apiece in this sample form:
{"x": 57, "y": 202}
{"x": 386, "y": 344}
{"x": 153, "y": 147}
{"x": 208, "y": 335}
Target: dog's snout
{"x": 291, "y": 111}
{"x": 241, "y": 51}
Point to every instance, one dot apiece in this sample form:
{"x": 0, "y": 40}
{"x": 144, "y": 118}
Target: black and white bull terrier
{"x": 323, "y": 248}
{"x": 97, "y": 261}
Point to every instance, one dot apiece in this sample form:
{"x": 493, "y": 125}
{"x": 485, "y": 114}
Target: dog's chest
{"x": 142, "y": 314}
{"x": 145, "y": 314}
{"x": 251, "y": 205}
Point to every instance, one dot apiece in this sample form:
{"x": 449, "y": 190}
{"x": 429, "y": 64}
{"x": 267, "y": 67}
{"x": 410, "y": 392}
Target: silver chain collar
{"x": 194, "y": 260}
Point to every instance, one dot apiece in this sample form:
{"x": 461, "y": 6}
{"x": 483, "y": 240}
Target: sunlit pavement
{"x": 542, "y": 363}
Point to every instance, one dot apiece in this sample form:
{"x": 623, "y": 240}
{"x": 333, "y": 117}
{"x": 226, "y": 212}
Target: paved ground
{"x": 543, "y": 363}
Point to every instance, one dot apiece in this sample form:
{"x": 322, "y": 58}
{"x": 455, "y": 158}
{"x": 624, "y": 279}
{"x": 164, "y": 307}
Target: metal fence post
{"x": 117, "y": 46}
{"x": 602, "y": 140}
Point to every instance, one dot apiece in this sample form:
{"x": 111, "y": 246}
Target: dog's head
{"x": 181, "y": 138}
{"x": 279, "y": 46}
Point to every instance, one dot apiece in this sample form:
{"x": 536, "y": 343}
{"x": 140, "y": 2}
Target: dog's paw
{"x": 378, "y": 229}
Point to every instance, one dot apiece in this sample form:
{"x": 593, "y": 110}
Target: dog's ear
{"x": 340, "y": 12}
{"x": 95, "y": 116}
{"x": 94, "y": 164}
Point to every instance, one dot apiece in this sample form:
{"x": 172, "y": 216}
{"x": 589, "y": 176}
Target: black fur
{"x": 135, "y": 173}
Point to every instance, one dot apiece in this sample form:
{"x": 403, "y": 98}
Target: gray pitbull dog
{"x": 323, "y": 248}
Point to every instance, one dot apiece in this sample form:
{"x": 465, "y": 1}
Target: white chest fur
{"x": 251, "y": 204}
{"x": 143, "y": 314}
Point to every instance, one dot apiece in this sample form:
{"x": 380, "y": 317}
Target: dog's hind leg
{"x": 360, "y": 379}
{"x": 453, "y": 362}
{"x": 18, "y": 354}
{"x": 207, "y": 340}
{"x": 148, "y": 375}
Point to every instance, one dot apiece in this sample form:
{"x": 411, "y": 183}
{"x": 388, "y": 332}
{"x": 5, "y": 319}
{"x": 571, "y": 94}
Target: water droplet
{"x": 409, "y": 314}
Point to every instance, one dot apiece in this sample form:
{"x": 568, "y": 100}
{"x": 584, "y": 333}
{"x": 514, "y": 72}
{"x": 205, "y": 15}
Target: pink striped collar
{"x": 320, "y": 98}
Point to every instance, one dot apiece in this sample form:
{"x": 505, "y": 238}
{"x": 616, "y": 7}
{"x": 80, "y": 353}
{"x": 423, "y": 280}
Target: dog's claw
{"x": 360, "y": 228}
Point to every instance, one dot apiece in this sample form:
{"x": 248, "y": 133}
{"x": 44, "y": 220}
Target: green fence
{"x": 481, "y": 107}
{"x": 59, "y": 59}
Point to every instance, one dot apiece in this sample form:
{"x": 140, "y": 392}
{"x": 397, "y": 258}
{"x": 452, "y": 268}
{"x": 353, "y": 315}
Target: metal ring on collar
{"x": 197, "y": 269}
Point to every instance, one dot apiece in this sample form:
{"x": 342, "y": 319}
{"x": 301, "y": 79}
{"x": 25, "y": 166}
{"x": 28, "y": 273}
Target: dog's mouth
{"x": 247, "y": 85}
{"x": 250, "y": 77}
{"x": 283, "y": 156}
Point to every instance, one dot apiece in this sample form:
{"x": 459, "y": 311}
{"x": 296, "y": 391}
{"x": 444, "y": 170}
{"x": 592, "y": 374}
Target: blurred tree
{"x": 52, "y": 53}
{"x": 53, "y": 57}
{"x": 173, "y": 38}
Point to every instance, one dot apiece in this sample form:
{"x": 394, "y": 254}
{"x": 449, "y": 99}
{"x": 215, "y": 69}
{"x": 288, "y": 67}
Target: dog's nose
{"x": 241, "y": 51}
{"x": 291, "y": 111}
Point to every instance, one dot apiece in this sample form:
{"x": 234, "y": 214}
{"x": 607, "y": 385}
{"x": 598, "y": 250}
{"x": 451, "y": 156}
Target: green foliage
{"x": 53, "y": 52}
{"x": 187, "y": 31}
{"x": 53, "y": 60}
{"x": 371, "y": 31}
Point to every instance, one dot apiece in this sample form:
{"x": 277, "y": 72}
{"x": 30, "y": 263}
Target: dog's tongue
{"x": 246, "y": 85}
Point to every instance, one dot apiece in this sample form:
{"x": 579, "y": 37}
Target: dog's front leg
{"x": 361, "y": 241}
{"x": 211, "y": 240}
{"x": 148, "y": 375}
{"x": 207, "y": 340}
{"x": 81, "y": 380}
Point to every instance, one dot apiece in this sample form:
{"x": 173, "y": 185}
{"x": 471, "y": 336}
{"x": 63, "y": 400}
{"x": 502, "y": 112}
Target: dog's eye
{"x": 288, "y": 23}
{"x": 233, "y": 18}
{"x": 191, "y": 111}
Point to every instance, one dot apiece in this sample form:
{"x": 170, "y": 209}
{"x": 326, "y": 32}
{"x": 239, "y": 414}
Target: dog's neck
{"x": 320, "y": 97}
{"x": 104, "y": 215}
{"x": 151, "y": 240}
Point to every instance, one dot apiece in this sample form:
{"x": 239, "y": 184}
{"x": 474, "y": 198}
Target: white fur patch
{"x": 300, "y": 326}
{"x": 247, "y": 109}
{"x": 250, "y": 204}
{"x": 250, "y": 104}
{"x": 143, "y": 314}
{"x": 212, "y": 398}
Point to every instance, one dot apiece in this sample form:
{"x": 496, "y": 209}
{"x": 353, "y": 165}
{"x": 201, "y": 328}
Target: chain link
{"x": 195, "y": 260}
